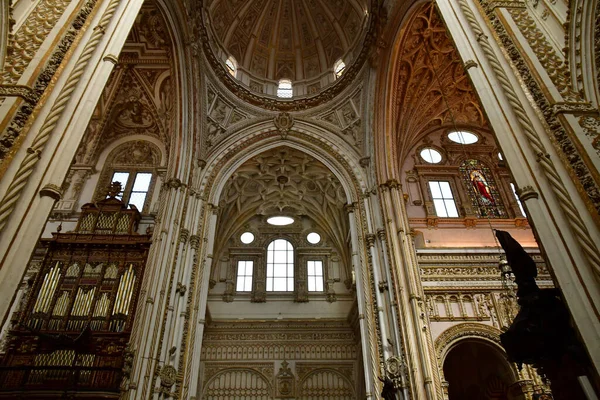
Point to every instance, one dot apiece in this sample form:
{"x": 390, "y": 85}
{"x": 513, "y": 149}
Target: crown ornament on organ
{"x": 114, "y": 189}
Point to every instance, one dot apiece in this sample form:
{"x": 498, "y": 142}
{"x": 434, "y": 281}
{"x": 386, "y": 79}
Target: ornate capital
{"x": 194, "y": 241}
{"x": 174, "y": 183}
{"x": 184, "y": 234}
{"x": 350, "y": 207}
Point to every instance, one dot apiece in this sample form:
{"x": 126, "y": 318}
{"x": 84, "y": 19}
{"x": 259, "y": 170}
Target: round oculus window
{"x": 313, "y": 238}
{"x": 247, "y": 237}
{"x": 280, "y": 220}
{"x": 463, "y": 137}
{"x": 430, "y": 155}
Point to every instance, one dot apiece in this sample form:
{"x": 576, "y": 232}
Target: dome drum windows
{"x": 338, "y": 68}
{"x": 231, "y": 65}
{"x": 285, "y": 89}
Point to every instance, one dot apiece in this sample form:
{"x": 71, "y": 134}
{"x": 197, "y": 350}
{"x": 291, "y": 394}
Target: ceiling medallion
{"x": 376, "y": 18}
{"x": 283, "y": 122}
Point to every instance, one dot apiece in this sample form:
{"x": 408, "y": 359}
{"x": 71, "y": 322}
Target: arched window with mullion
{"x": 280, "y": 266}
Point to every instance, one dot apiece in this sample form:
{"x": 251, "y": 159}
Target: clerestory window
{"x": 443, "y": 200}
{"x": 280, "y": 266}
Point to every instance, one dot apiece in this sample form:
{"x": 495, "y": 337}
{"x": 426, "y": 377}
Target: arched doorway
{"x": 475, "y": 370}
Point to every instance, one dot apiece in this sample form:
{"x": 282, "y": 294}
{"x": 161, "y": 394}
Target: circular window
{"x": 463, "y": 137}
{"x": 313, "y": 238}
{"x": 430, "y": 155}
{"x": 280, "y": 220}
{"x": 247, "y": 237}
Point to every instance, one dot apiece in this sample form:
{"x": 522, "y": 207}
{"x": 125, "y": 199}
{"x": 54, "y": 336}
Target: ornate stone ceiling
{"x": 294, "y": 39}
{"x": 285, "y": 181}
{"x": 427, "y": 70}
{"x": 299, "y": 40}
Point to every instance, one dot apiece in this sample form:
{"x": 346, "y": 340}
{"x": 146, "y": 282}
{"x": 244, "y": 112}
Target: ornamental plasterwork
{"x": 557, "y": 70}
{"x": 221, "y": 115}
{"x": 454, "y": 272}
{"x": 251, "y": 92}
{"x": 30, "y": 36}
{"x": 139, "y": 97}
{"x": 347, "y": 119}
{"x": 10, "y": 136}
{"x": 567, "y": 149}
{"x": 300, "y": 340}
{"x": 443, "y": 342}
{"x": 429, "y": 76}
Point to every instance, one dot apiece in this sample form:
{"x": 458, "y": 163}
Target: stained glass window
{"x": 482, "y": 190}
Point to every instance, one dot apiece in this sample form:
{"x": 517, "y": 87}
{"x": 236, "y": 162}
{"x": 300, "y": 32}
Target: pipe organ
{"x": 71, "y": 336}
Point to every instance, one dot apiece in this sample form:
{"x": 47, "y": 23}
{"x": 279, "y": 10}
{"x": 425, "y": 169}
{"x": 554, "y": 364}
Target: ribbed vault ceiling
{"x": 294, "y": 39}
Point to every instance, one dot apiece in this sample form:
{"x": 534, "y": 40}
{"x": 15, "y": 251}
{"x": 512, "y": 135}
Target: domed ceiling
{"x": 294, "y": 39}
{"x": 299, "y": 40}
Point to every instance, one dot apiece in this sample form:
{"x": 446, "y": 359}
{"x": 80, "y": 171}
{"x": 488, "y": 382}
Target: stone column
{"x": 409, "y": 295}
{"x": 32, "y": 183}
{"x": 563, "y": 226}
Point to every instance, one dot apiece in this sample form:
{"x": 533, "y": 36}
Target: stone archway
{"x": 476, "y": 370}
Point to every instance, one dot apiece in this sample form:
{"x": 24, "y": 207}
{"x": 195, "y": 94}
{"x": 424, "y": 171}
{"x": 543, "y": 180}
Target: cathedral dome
{"x": 256, "y": 44}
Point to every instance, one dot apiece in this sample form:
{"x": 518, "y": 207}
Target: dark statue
{"x": 389, "y": 390}
{"x": 541, "y": 334}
